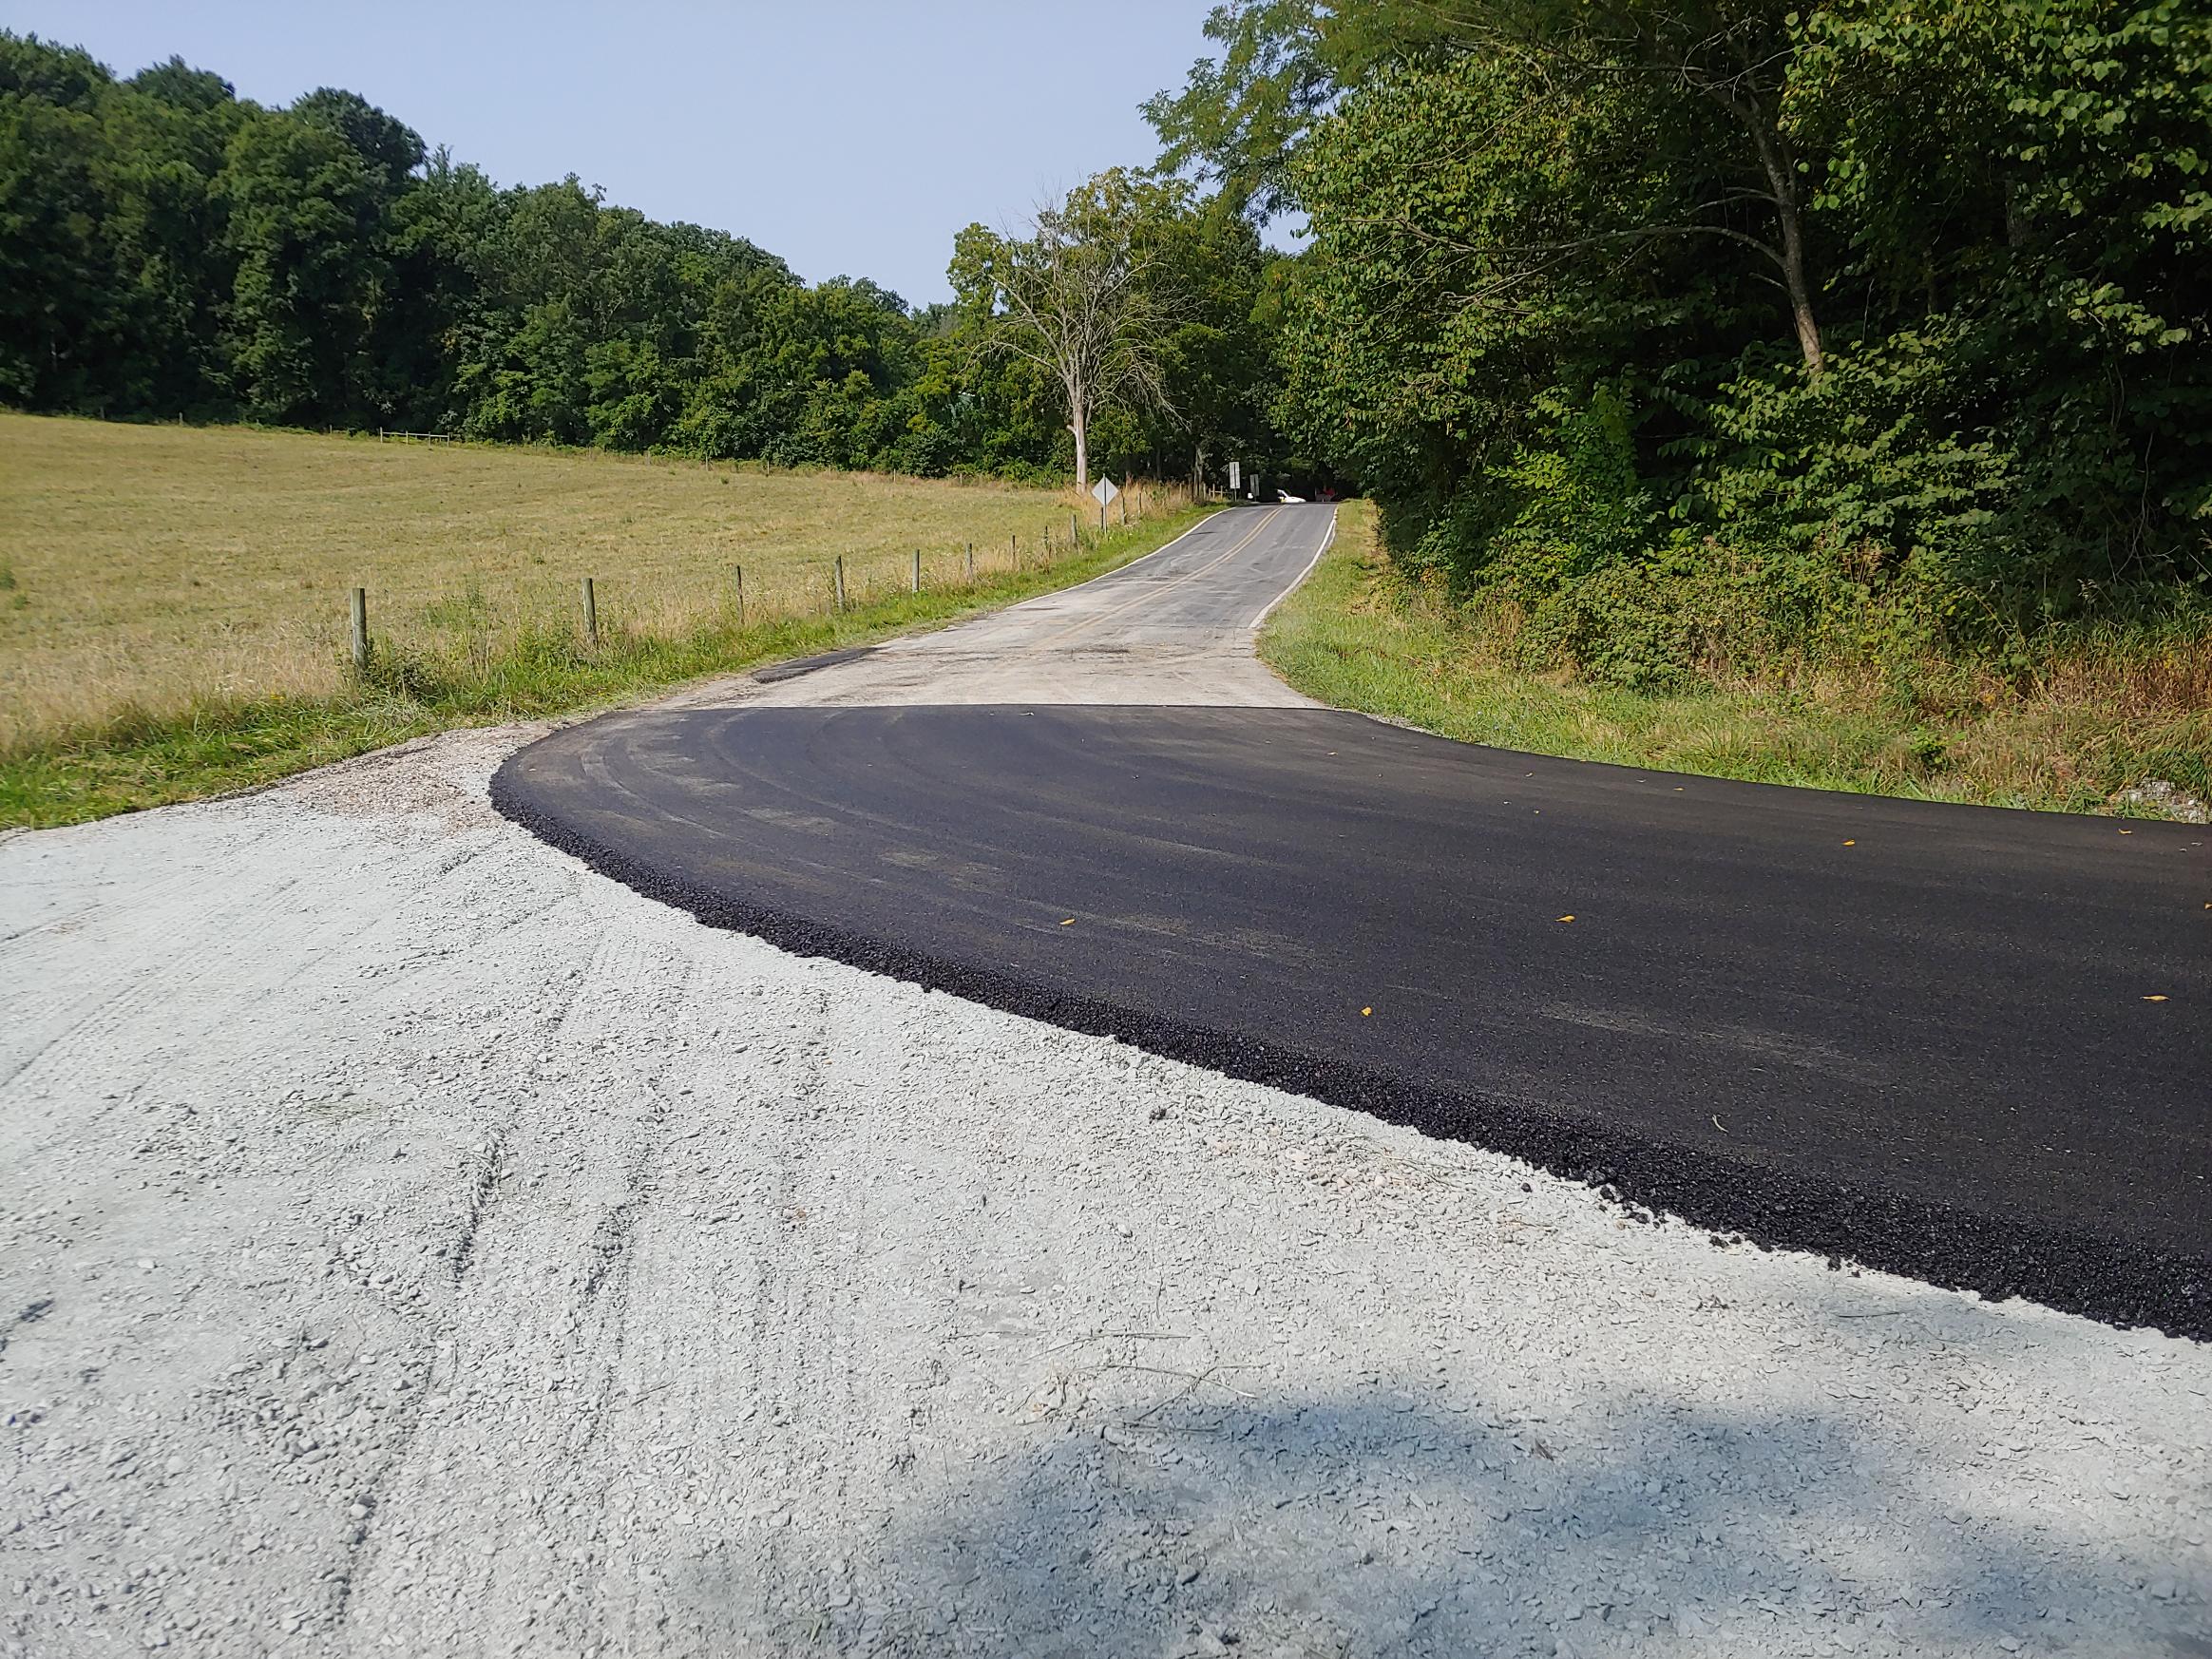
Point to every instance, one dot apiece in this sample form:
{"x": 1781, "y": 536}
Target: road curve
{"x": 1963, "y": 1043}
{"x": 1173, "y": 627}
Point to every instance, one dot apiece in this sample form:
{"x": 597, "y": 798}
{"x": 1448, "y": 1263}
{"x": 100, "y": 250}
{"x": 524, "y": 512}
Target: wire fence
{"x": 477, "y": 627}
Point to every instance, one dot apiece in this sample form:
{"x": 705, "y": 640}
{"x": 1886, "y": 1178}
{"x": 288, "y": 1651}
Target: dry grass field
{"x": 173, "y": 603}
{"x": 149, "y": 571}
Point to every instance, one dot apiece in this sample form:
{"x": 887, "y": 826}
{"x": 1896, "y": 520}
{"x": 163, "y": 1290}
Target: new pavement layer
{"x": 1964, "y": 1043}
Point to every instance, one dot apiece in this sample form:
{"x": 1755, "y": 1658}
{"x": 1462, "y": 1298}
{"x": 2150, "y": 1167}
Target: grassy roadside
{"x": 136, "y": 761}
{"x": 165, "y": 569}
{"x": 1357, "y": 637}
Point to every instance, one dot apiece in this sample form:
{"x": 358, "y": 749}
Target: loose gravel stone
{"x": 540, "y": 1272}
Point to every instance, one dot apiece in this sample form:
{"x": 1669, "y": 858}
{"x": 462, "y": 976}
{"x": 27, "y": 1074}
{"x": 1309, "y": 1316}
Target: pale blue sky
{"x": 847, "y": 136}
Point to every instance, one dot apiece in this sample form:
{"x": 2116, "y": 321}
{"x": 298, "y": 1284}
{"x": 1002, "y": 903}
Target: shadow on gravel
{"x": 1383, "y": 1526}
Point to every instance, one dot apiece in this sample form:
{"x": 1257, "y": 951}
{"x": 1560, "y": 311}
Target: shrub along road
{"x": 1956, "y": 1042}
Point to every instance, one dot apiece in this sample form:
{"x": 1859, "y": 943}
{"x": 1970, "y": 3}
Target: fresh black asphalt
{"x": 1925, "y": 1038}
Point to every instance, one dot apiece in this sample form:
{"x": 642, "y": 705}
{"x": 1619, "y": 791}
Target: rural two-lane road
{"x": 1963, "y": 1043}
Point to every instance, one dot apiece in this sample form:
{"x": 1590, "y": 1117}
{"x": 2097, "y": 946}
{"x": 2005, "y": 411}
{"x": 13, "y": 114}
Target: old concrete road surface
{"x": 1963, "y": 1043}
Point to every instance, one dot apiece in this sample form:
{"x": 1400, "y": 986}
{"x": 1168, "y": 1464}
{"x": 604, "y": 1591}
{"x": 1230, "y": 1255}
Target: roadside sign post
{"x": 1103, "y": 493}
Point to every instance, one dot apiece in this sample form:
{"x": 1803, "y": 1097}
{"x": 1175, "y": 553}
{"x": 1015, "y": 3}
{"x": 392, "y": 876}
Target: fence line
{"x": 789, "y": 593}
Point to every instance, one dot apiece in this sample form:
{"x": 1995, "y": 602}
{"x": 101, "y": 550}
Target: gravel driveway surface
{"x": 413, "y": 1243}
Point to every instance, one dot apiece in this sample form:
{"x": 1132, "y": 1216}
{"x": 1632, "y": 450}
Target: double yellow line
{"x": 1151, "y": 594}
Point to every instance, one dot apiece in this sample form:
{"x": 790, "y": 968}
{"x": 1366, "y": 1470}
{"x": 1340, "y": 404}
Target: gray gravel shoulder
{"x": 411, "y": 1241}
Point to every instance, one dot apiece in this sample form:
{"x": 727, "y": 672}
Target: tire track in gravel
{"x": 790, "y": 1321}
{"x": 841, "y": 1375}
{"x": 477, "y": 1202}
{"x": 1473, "y": 1407}
{"x": 90, "y": 910}
{"x": 107, "y": 1007}
{"x": 486, "y": 1258}
{"x": 819, "y": 1323}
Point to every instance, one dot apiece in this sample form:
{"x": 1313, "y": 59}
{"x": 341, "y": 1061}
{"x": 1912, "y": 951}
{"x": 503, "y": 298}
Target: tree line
{"x": 170, "y": 249}
{"x": 1690, "y": 327}
{"x": 1683, "y": 328}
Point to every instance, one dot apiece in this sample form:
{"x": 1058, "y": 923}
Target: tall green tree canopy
{"x": 167, "y": 248}
{"x": 1880, "y": 308}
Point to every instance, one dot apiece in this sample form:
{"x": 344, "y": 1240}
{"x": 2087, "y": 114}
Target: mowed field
{"x": 149, "y": 571}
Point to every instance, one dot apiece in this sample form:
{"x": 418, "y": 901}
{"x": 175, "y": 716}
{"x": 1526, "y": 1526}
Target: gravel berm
{"x": 1906, "y": 1033}
{"x": 412, "y": 1242}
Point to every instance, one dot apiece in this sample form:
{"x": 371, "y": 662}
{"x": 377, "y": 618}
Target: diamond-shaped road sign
{"x": 1104, "y": 491}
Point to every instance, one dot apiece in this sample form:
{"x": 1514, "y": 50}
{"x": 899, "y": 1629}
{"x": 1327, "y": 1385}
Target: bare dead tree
{"x": 1074, "y": 296}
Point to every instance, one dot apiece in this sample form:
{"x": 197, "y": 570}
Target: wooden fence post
{"x": 1014, "y": 543}
{"x": 971, "y": 564}
{"x": 917, "y": 570}
{"x": 360, "y": 630}
{"x": 840, "y": 575}
{"x": 740, "y": 573}
{"x": 590, "y": 615}
{"x": 1075, "y": 536}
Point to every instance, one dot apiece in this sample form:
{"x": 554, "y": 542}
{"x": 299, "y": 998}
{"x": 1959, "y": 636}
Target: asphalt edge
{"x": 1327, "y": 540}
{"x": 2112, "y": 1282}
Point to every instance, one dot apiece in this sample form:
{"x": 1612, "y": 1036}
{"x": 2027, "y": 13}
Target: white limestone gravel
{"x": 413, "y": 1243}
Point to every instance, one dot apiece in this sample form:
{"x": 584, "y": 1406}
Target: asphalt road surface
{"x": 1959, "y": 1042}
{"x": 1173, "y": 627}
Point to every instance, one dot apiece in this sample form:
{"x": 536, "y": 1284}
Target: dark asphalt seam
{"x": 2114, "y": 1281}
{"x": 791, "y": 670}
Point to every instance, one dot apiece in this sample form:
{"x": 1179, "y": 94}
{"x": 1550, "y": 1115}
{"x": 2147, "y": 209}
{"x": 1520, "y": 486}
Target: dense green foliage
{"x": 1140, "y": 305}
{"x": 167, "y": 249}
{"x": 1692, "y": 333}
{"x": 2104, "y": 712}
{"x": 1719, "y": 331}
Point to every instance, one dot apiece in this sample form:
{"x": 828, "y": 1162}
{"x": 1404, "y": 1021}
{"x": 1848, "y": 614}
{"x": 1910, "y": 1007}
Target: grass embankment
{"x": 2093, "y": 721}
{"x": 172, "y": 602}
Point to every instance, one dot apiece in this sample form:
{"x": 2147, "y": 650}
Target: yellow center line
{"x": 1151, "y": 594}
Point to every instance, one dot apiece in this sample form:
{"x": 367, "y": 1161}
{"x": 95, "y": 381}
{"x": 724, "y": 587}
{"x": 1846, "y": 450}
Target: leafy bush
{"x": 1750, "y": 334}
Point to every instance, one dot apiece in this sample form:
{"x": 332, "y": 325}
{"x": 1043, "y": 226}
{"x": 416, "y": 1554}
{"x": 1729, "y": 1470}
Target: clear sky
{"x": 850, "y": 137}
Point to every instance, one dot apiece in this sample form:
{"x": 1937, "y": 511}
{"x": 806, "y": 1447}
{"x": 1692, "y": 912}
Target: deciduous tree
{"x": 1076, "y": 295}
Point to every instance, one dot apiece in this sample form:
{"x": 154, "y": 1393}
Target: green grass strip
{"x": 134, "y": 762}
{"x": 1358, "y": 637}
